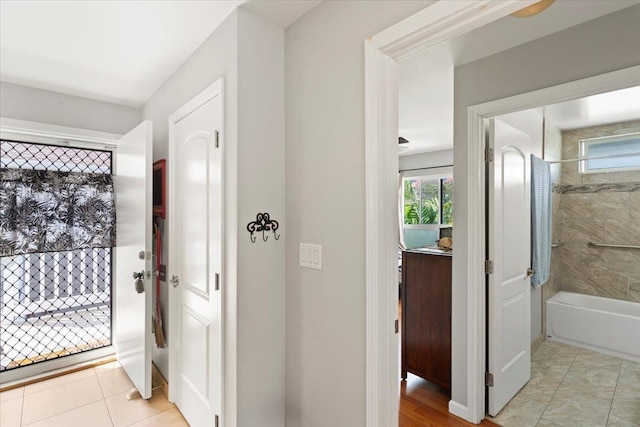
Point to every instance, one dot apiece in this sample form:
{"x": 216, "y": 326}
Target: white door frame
{"x": 441, "y": 21}
{"x": 215, "y": 89}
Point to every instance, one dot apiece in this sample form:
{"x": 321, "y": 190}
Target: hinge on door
{"x": 397, "y": 326}
{"x": 217, "y": 139}
{"x": 217, "y": 421}
{"x": 488, "y": 379}
{"x": 217, "y": 282}
{"x": 488, "y": 155}
{"x": 488, "y": 267}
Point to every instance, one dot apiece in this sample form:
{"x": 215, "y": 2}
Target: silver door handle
{"x": 174, "y": 281}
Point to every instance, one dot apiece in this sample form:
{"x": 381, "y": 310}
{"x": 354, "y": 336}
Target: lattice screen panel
{"x": 56, "y": 303}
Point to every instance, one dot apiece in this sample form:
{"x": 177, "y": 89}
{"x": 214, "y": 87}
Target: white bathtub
{"x": 600, "y": 324}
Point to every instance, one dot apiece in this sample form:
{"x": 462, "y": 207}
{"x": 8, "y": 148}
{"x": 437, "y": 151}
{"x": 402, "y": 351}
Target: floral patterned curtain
{"x": 45, "y": 211}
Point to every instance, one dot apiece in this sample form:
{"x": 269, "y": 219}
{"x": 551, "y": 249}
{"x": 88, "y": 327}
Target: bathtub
{"x": 600, "y": 324}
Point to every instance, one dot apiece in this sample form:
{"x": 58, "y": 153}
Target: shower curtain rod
{"x": 612, "y": 156}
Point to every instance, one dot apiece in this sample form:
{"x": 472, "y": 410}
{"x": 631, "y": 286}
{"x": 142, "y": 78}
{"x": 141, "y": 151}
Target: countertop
{"x": 431, "y": 250}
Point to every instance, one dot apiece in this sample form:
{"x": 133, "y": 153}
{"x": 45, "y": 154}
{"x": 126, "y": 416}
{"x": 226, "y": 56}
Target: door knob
{"x": 530, "y": 272}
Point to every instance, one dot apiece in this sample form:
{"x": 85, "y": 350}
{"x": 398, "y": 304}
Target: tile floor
{"x": 571, "y": 386}
{"x": 93, "y": 397}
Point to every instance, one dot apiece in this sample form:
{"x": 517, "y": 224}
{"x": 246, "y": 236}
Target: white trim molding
{"x": 438, "y": 22}
{"x": 62, "y": 134}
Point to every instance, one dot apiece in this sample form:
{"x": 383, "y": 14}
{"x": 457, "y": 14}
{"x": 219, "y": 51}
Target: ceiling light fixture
{"x": 534, "y": 9}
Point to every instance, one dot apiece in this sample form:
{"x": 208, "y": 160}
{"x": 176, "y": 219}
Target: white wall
{"x": 37, "y": 105}
{"x": 325, "y": 204}
{"x": 249, "y": 53}
{"x": 595, "y": 47}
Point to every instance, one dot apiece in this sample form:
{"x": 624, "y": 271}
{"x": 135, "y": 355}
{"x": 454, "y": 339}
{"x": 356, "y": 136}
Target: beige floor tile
{"x": 59, "y": 399}
{"x": 626, "y": 404}
{"x": 126, "y": 412}
{"x": 114, "y": 381}
{"x": 630, "y": 375}
{"x": 54, "y": 382}
{"x": 93, "y": 414}
{"x": 11, "y": 394}
{"x": 572, "y": 406}
{"x": 546, "y": 423}
{"x": 170, "y": 418}
{"x": 619, "y": 422}
{"x": 596, "y": 381}
{"x": 589, "y": 358}
{"x": 539, "y": 392}
{"x": 563, "y": 360}
{"x": 11, "y": 412}
{"x": 107, "y": 366}
{"x": 518, "y": 413}
{"x": 551, "y": 376}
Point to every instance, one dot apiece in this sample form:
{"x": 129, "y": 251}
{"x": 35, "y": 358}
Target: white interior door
{"x": 132, "y": 310}
{"x": 195, "y": 257}
{"x": 509, "y": 299}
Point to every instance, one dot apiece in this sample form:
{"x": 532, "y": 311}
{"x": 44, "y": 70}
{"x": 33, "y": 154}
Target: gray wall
{"x": 249, "y": 53}
{"x": 325, "y": 204}
{"x": 595, "y": 47}
{"x": 37, "y": 105}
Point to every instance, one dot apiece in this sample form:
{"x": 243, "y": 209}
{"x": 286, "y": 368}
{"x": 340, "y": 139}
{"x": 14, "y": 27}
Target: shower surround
{"x": 601, "y": 208}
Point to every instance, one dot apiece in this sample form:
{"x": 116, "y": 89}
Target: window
{"x": 428, "y": 201}
{"x": 610, "y": 154}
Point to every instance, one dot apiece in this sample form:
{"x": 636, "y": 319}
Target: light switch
{"x": 310, "y": 256}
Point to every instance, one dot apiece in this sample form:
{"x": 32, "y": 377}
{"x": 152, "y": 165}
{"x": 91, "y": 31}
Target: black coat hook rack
{"x": 263, "y": 223}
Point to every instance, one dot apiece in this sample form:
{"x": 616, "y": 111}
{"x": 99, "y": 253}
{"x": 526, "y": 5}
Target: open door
{"x": 132, "y": 310}
{"x": 509, "y": 296}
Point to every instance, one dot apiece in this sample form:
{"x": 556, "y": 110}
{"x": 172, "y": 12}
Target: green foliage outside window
{"x": 427, "y": 201}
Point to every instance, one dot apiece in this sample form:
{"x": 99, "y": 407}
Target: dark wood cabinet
{"x": 426, "y": 317}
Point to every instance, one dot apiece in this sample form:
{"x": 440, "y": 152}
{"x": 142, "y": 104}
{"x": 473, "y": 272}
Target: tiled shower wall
{"x": 587, "y": 209}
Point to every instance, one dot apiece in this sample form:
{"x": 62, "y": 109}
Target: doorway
{"x": 56, "y": 300}
{"x": 468, "y": 311}
{"x": 563, "y": 365}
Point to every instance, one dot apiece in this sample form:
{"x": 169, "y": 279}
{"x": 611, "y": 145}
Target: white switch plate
{"x": 310, "y": 256}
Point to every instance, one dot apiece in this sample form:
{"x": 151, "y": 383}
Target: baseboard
{"x": 458, "y": 410}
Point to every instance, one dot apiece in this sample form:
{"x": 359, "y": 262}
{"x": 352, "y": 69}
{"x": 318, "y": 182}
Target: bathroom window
{"x": 610, "y": 154}
{"x": 428, "y": 201}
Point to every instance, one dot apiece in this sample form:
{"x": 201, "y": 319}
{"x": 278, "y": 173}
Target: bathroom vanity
{"x": 426, "y": 315}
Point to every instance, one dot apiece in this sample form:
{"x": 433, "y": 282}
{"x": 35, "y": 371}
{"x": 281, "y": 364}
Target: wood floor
{"x": 424, "y": 404}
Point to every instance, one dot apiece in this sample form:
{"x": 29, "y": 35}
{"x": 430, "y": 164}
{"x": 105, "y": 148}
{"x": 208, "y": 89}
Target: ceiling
{"x": 426, "y": 79}
{"x": 115, "y": 51}
{"x": 605, "y": 108}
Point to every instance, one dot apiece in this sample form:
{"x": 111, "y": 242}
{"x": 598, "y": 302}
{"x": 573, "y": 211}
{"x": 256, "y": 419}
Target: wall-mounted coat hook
{"x": 263, "y": 223}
